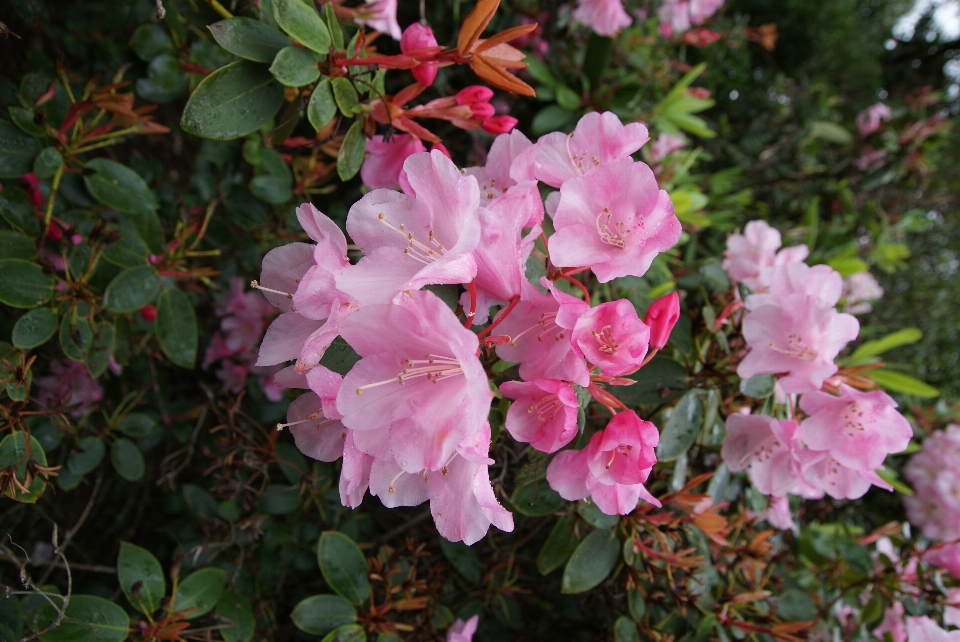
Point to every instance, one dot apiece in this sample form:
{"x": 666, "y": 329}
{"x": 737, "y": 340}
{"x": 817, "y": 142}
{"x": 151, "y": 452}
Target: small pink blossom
{"x": 544, "y": 413}
{"x": 598, "y": 139}
{"x": 614, "y": 219}
{"x": 612, "y": 337}
{"x": 418, "y": 36}
{"x": 751, "y": 256}
{"x": 779, "y": 515}
{"x": 925, "y": 629}
{"x": 677, "y": 16}
{"x": 384, "y": 162}
{"x": 768, "y": 450}
{"x": 461, "y": 631}
{"x": 821, "y": 283}
{"x": 316, "y": 436}
{"x": 661, "y": 316}
{"x": 859, "y": 429}
{"x": 605, "y": 17}
{"x": 871, "y": 159}
{"x": 382, "y": 16}
{"x": 665, "y": 145}
{"x": 893, "y": 624}
{"x": 859, "y": 291}
{"x": 354, "y": 473}
{"x": 946, "y": 557}
{"x": 832, "y": 478}
{"x": 934, "y": 473}
{"x": 868, "y": 121}
{"x": 68, "y": 388}
{"x": 494, "y": 177}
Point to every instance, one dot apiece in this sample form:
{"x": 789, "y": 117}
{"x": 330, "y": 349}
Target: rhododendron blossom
{"x": 660, "y": 317}
{"x": 384, "y": 161}
{"x": 380, "y": 15}
{"x": 934, "y": 473}
{"x": 605, "y": 17}
{"x": 418, "y": 36}
{"x": 751, "y": 256}
{"x": 859, "y": 291}
{"x": 946, "y": 557}
{"x": 769, "y": 450}
{"x": 68, "y": 388}
{"x": 925, "y": 629}
{"x": 461, "y": 631}
{"x": 665, "y": 145}
{"x": 679, "y": 15}
{"x": 868, "y": 121}
{"x": 612, "y": 337}
{"x": 544, "y": 413}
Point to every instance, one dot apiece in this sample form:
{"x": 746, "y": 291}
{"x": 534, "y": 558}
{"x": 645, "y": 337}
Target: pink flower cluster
{"x": 868, "y": 121}
{"x": 410, "y": 417}
{"x": 793, "y": 330}
{"x": 244, "y": 316}
{"x": 68, "y": 388}
{"x": 605, "y": 17}
{"x": 676, "y": 16}
{"x": 934, "y": 473}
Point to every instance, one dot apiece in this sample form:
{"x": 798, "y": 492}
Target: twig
{"x": 401, "y": 528}
{"x": 28, "y": 583}
{"x": 169, "y": 477}
{"x": 73, "y": 531}
{"x": 90, "y": 568}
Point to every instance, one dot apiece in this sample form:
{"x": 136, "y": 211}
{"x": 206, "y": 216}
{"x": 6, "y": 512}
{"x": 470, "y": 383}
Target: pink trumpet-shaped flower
{"x": 412, "y": 241}
{"x": 419, "y": 376}
{"x": 384, "y": 162}
{"x": 750, "y": 256}
{"x": 418, "y": 36}
{"x": 605, "y": 17}
{"x": 544, "y": 413}
{"x": 461, "y": 631}
{"x": 859, "y": 429}
{"x": 779, "y": 515}
{"x": 315, "y": 435}
{"x": 614, "y": 219}
{"x": 767, "y": 449}
{"x": 612, "y": 337}
{"x": 382, "y": 16}
{"x": 868, "y": 121}
{"x": 598, "y": 139}
{"x": 661, "y": 316}
{"x": 494, "y": 177}
{"x": 316, "y": 291}
{"x": 821, "y": 283}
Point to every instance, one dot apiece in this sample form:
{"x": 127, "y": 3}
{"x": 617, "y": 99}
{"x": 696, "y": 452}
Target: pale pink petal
{"x": 395, "y": 487}
{"x": 285, "y": 338}
{"x": 316, "y": 437}
{"x": 354, "y": 474}
{"x": 282, "y": 269}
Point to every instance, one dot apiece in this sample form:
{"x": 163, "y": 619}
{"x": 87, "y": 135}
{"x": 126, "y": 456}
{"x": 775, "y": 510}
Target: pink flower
{"x": 382, "y": 16}
{"x": 354, "y": 473}
{"x": 924, "y": 629}
{"x": 614, "y": 219}
{"x": 597, "y": 140}
{"x": 605, "y": 17}
{"x": 494, "y": 177}
{"x": 821, "y": 283}
{"x": 418, "y": 36}
{"x": 233, "y": 375}
{"x": 661, "y": 316}
{"x": 836, "y": 480}
{"x": 612, "y": 337}
{"x": 412, "y": 241}
{"x": 893, "y": 624}
{"x": 751, "y": 256}
{"x": 418, "y": 376}
{"x": 859, "y": 290}
{"x": 768, "y": 450}
{"x": 679, "y": 15}
{"x": 384, "y": 162}
{"x": 796, "y": 337}
{"x": 665, "y": 145}
{"x": 871, "y": 159}
{"x": 859, "y": 429}
{"x": 544, "y": 413}
{"x": 700, "y": 10}
{"x": 316, "y": 435}
{"x": 285, "y": 338}
{"x": 934, "y": 473}
{"x": 946, "y": 557}
{"x": 779, "y": 515}
{"x": 538, "y": 343}
{"x": 282, "y": 270}
{"x": 461, "y": 631}
{"x": 68, "y": 388}
{"x": 868, "y": 121}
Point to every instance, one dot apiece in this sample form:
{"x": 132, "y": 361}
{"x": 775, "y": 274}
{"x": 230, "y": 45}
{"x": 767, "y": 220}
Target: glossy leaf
{"x": 238, "y": 612}
{"x": 295, "y": 66}
{"x": 176, "y": 325}
{"x": 594, "y": 516}
{"x": 346, "y": 96}
{"x": 13, "y": 452}
{"x": 795, "y": 605}
{"x": 35, "y": 328}
{"x": 343, "y": 566}
{"x": 759, "y": 386}
{"x": 625, "y": 630}
{"x": 590, "y": 564}
{"x": 118, "y": 187}
{"x": 14, "y": 245}
{"x": 233, "y": 101}
{"x": 346, "y": 633}
{"x": 302, "y": 23}
{"x": 23, "y": 284}
{"x": 17, "y": 150}
{"x": 339, "y": 357}
{"x": 320, "y": 614}
{"x": 17, "y": 210}
{"x": 322, "y": 106}
{"x": 463, "y": 558}
{"x": 141, "y": 577}
{"x": 76, "y": 337}
{"x": 132, "y": 289}
{"x": 682, "y": 427}
{"x": 889, "y": 342}
{"x": 149, "y": 41}
{"x": 559, "y": 546}
{"x": 98, "y": 355}
{"x": 249, "y": 39}
{"x": 199, "y": 592}
{"x": 127, "y": 460}
{"x": 86, "y": 455}
{"x": 90, "y": 619}
{"x": 536, "y": 499}
{"x": 47, "y": 162}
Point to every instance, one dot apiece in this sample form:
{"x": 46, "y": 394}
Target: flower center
{"x": 622, "y": 449}
{"x": 853, "y": 419}
{"x": 313, "y": 415}
{"x": 796, "y": 347}
{"x": 607, "y": 341}
{"x": 547, "y": 323}
{"x": 616, "y": 235}
{"x": 434, "y": 367}
{"x": 577, "y": 159}
{"x": 548, "y": 404}
{"x": 425, "y": 253}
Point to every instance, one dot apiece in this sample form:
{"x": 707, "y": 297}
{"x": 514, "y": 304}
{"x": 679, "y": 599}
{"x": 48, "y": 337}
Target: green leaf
{"x": 830, "y": 132}
{"x": 200, "y": 592}
{"x": 176, "y": 326}
{"x": 536, "y": 499}
{"x": 141, "y": 577}
{"x": 237, "y": 610}
{"x": 23, "y": 118}
{"x": 149, "y": 41}
{"x": 291, "y": 461}
{"x": 661, "y": 380}
{"x": 132, "y": 289}
{"x": 594, "y": 516}
{"x": 249, "y": 39}
{"x": 796, "y": 606}
{"x": 847, "y": 265}
{"x": 14, "y": 245}
{"x": 35, "y": 328}
{"x": 275, "y": 190}
{"x": 278, "y": 500}
{"x": 23, "y": 284}
{"x": 890, "y": 476}
{"x": 636, "y": 604}
{"x": 90, "y": 619}
{"x": 13, "y": 452}
{"x": 17, "y": 149}
{"x": 596, "y": 58}
{"x": 463, "y": 558}
{"x": 550, "y": 119}
{"x": 568, "y": 99}
{"x": 350, "y": 156}
{"x": 76, "y": 337}
{"x": 590, "y": 564}
{"x": 127, "y": 460}
{"x": 559, "y": 546}
{"x": 758, "y": 386}
{"x": 339, "y": 357}
{"x": 233, "y": 101}
{"x": 86, "y": 456}
{"x": 625, "y": 630}
{"x": 101, "y": 348}
{"x": 302, "y": 23}
{"x": 345, "y": 95}
{"x": 16, "y": 209}
{"x": 346, "y": 633}
{"x": 320, "y": 614}
{"x": 682, "y": 427}
{"x": 119, "y": 187}
{"x": 296, "y": 66}
{"x": 889, "y": 342}
{"x": 343, "y": 566}
{"x": 47, "y": 162}
{"x": 333, "y": 26}
{"x": 129, "y": 251}
{"x": 322, "y": 106}
{"x": 899, "y": 382}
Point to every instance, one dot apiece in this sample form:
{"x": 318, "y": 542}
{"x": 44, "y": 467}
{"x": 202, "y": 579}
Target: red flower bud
{"x": 499, "y": 124}
{"x": 482, "y": 111}
{"x": 474, "y": 94}
{"x": 54, "y": 233}
{"x": 418, "y": 36}
{"x": 148, "y": 313}
{"x": 661, "y": 316}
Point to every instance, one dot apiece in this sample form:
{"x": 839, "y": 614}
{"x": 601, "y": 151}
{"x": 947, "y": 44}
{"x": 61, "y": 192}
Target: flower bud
{"x": 499, "y": 124}
{"x": 418, "y": 36}
{"x": 482, "y": 111}
{"x": 474, "y": 94}
{"x": 661, "y": 316}
{"x": 54, "y": 232}
{"x": 148, "y": 313}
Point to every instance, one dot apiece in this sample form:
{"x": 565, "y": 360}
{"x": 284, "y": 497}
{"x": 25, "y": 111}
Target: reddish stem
{"x": 731, "y": 307}
{"x": 647, "y": 359}
{"x": 575, "y": 270}
{"x": 503, "y": 315}
{"x": 473, "y": 305}
{"x": 583, "y": 288}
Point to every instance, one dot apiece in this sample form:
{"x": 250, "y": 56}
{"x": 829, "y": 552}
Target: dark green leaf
{"x": 796, "y": 606}
{"x": 17, "y": 210}
{"x": 200, "y": 500}
{"x": 278, "y": 500}
{"x": 596, "y": 58}
{"x": 86, "y": 456}
{"x": 11, "y": 616}
{"x": 165, "y": 75}
{"x": 129, "y": 251}
{"x": 118, "y": 187}
{"x": 14, "y": 245}
{"x": 855, "y": 555}
{"x": 322, "y": 106}
{"x": 238, "y": 611}
{"x": 76, "y": 337}
{"x": 636, "y": 604}
{"x": 249, "y": 39}
{"x": 233, "y": 101}
{"x": 127, "y": 460}
{"x": 758, "y": 386}
{"x": 550, "y": 119}
{"x": 568, "y": 99}
{"x": 320, "y": 614}
{"x": 98, "y": 356}
{"x": 150, "y": 40}
{"x": 176, "y": 325}
{"x": 23, "y": 284}
{"x": 350, "y": 156}
{"x": 559, "y": 546}
{"x": 302, "y": 23}
{"x": 141, "y": 577}
{"x": 346, "y": 633}
{"x": 339, "y": 357}
{"x": 658, "y": 382}
{"x": 90, "y": 619}
{"x": 343, "y": 566}
{"x": 295, "y": 66}
{"x": 536, "y": 499}
{"x": 594, "y": 516}
{"x": 590, "y": 564}
{"x": 682, "y": 427}
{"x": 13, "y": 452}
{"x": 17, "y": 149}
{"x": 47, "y": 162}
{"x": 35, "y": 328}
{"x": 625, "y": 630}
{"x": 346, "y": 96}
{"x": 275, "y": 190}
{"x": 199, "y": 592}
{"x": 132, "y": 289}
{"x": 292, "y": 462}
{"x": 23, "y": 118}
{"x": 463, "y": 558}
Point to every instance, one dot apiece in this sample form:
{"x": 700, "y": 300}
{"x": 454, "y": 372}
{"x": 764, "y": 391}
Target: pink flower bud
{"x": 661, "y": 316}
{"x": 31, "y": 180}
{"x": 474, "y": 94}
{"x": 418, "y": 36}
{"x": 148, "y": 313}
{"x": 54, "y": 232}
{"x": 482, "y": 111}
{"x": 76, "y": 239}
{"x": 499, "y": 125}
{"x": 442, "y": 149}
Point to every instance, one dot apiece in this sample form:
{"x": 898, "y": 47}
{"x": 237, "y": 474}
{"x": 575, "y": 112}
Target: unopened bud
{"x": 499, "y": 124}
{"x": 661, "y": 316}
